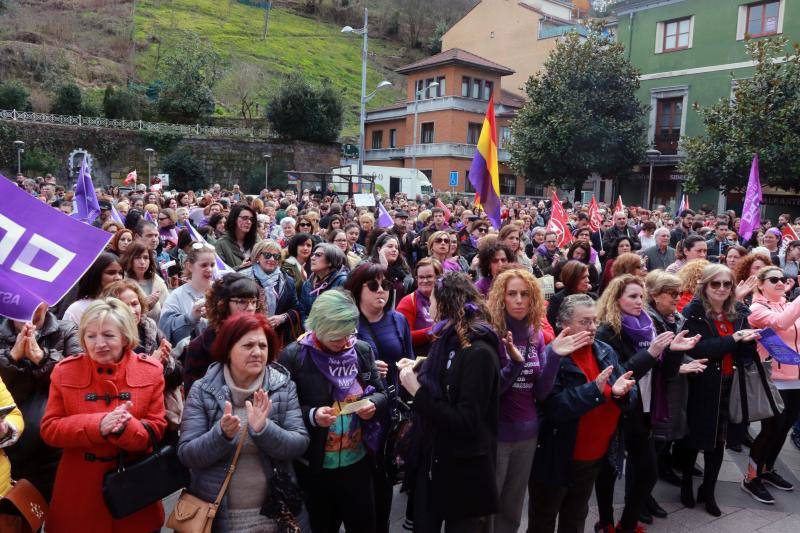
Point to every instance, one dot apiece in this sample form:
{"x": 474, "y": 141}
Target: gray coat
{"x": 657, "y": 261}
{"x": 675, "y": 427}
{"x": 207, "y": 452}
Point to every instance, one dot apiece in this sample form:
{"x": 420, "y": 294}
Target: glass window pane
{"x": 465, "y": 87}
{"x": 487, "y": 90}
{"x": 754, "y": 27}
{"x": 672, "y": 29}
{"x": 476, "y": 89}
{"x": 670, "y": 43}
{"x": 683, "y": 40}
{"x": 684, "y": 26}
{"x": 772, "y": 9}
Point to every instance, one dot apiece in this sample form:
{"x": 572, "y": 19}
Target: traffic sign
{"x": 454, "y": 178}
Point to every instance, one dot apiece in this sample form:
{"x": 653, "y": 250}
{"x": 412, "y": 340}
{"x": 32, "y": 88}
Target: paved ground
{"x": 741, "y": 514}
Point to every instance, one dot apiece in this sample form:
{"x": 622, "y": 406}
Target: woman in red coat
{"x": 415, "y": 306}
{"x": 98, "y": 404}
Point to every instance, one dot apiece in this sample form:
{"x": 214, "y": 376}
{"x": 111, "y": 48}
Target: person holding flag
{"x": 483, "y": 173}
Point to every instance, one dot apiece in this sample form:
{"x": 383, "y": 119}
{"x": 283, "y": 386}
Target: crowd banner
{"x": 43, "y": 252}
{"x": 595, "y": 218}
{"x": 559, "y": 222}
{"x": 483, "y": 172}
{"x": 619, "y": 207}
{"x": 751, "y": 212}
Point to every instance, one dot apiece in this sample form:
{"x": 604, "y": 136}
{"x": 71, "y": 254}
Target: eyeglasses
{"x": 245, "y": 218}
{"x": 304, "y": 225}
{"x": 318, "y": 254}
{"x": 482, "y": 229}
{"x": 718, "y": 284}
{"x": 163, "y": 218}
{"x": 440, "y": 240}
{"x": 374, "y": 285}
{"x": 775, "y": 279}
{"x": 244, "y": 302}
{"x": 268, "y": 255}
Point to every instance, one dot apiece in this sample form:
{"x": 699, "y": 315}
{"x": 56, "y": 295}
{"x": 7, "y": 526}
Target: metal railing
{"x": 547, "y": 32}
{"x": 131, "y": 125}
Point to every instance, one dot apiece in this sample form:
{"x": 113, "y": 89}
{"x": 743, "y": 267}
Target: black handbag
{"x": 133, "y": 486}
{"x": 284, "y": 501}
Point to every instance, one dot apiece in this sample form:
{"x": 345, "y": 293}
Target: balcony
{"x": 548, "y": 32}
{"x": 667, "y": 144}
{"x": 462, "y": 150}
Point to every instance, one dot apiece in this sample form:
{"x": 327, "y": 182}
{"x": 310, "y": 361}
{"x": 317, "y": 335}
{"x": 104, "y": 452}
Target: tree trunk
{"x": 578, "y": 186}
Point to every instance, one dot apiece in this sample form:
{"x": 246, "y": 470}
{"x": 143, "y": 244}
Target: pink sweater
{"x": 784, "y": 318}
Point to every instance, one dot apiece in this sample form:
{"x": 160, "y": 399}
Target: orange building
{"x": 449, "y": 118}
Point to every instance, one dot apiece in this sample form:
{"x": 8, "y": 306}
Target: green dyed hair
{"x": 334, "y": 314}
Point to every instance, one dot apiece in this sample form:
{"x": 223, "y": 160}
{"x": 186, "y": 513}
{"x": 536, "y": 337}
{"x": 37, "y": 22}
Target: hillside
{"x": 46, "y": 42}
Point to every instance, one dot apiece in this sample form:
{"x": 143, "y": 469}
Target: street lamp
{"x": 19, "y": 146}
{"x": 417, "y": 96}
{"x": 364, "y": 97}
{"x": 652, "y": 155}
{"x": 149, "y": 152}
{"x": 266, "y": 157}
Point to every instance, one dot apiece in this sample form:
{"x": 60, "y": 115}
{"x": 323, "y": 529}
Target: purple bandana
{"x": 638, "y": 330}
{"x": 341, "y": 369}
{"x": 423, "y": 316}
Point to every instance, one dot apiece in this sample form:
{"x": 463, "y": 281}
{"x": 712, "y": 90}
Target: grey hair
{"x": 659, "y": 231}
{"x": 333, "y": 255}
{"x": 288, "y": 221}
{"x": 568, "y": 306}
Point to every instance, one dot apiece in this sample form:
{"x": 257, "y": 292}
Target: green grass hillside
{"x": 294, "y": 44}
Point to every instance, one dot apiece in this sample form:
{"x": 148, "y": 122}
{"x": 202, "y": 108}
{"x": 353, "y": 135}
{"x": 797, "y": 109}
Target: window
{"x": 508, "y": 184}
{"x": 762, "y": 19}
{"x": 476, "y": 89}
{"x": 440, "y": 91}
{"x": 473, "y": 132}
{"x": 429, "y": 93}
{"x": 487, "y": 90}
{"x": 468, "y": 184}
{"x": 428, "y": 173}
{"x": 676, "y": 34}
{"x": 505, "y": 137}
{"x": 392, "y": 138}
{"x": 669, "y": 113}
{"x": 465, "y": 85}
{"x": 377, "y": 140}
{"x": 533, "y": 189}
{"x": 427, "y": 132}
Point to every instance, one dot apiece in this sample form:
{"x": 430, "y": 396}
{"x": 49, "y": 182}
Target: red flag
{"x": 595, "y": 218}
{"x": 620, "y": 206}
{"x": 447, "y": 213}
{"x": 789, "y": 235}
{"x": 131, "y": 178}
{"x": 559, "y": 222}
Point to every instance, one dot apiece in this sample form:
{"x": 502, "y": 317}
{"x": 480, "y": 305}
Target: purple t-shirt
{"x": 521, "y": 385}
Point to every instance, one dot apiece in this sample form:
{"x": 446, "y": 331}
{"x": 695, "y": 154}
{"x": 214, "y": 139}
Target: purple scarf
{"x": 638, "y": 330}
{"x": 423, "y": 316}
{"x": 341, "y": 369}
{"x": 544, "y": 252}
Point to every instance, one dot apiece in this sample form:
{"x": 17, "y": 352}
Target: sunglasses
{"x": 267, "y": 255}
{"x": 246, "y": 218}
{"x": 482, "y": 229}
{"x": 440, "y": 240}
{"x": 775, "y": 279}
{"x": 374, "y": 285}
{"x": 304, "y": 225}
{"x": 718, "y": 284}
{"x": 318, "y": 254}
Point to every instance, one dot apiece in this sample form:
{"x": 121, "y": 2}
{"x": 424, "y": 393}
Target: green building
{"x": 693, "y": 51}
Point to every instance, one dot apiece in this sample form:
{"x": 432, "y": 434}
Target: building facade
{"x": 690, "y": 52}
{"x": 519, "y": 34}
{"x": 449, "y": 93}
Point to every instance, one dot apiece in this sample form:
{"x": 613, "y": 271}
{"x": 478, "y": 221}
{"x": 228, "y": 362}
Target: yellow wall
{"x": 515, "y": 43}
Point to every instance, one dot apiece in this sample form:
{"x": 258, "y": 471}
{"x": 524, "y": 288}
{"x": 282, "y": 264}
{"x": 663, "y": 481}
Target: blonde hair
{"x": 435, "y": 235}
{"x": 608, "y": 309}
{"x": 658, "y": 282}
{"x": 496, "y": 299}
{"x": 261, "y": 247}
{"x": 118, "y": 313}
{"x": 153, "y": 209}
{"x": 118, "y": 287}
{"x": 709, "y": 273}
{"x": 691, "y": 273}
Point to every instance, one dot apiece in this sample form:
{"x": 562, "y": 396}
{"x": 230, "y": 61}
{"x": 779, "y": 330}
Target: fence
{"x": 132, "y": 125}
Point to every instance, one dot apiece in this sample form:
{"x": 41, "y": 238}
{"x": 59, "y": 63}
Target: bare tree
{"x": 241, "y": 86}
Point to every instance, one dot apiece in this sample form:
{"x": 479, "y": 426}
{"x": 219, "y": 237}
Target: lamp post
{"x": 266, "y": 157}
{"x": 364, "y": 98}
{"x": 149, "y": 152}
{"x": 417, "y": 96}
{"x": 652, "y": 155}
{"x": 19, "y": 146}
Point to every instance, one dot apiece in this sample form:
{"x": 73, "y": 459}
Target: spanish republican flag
{"x": 483, "y": 174}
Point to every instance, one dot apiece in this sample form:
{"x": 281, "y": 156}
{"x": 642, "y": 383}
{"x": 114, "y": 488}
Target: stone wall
{"x": 117, "y": 152}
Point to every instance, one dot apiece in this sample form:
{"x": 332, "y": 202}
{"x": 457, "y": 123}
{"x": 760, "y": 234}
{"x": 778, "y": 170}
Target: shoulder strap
{"x": 232, "y": 467}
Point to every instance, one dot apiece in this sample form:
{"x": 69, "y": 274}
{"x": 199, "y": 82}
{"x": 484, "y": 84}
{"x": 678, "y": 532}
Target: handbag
{"x": 133, "y": 486}
{"x": 753, "y": 394}
{"x": 195, "y": 515}
{"x": 23, "y": 508}
{"x": 284, "y": 501}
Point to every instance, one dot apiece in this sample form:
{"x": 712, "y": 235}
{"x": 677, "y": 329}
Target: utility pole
{"x": 267, "y": 7}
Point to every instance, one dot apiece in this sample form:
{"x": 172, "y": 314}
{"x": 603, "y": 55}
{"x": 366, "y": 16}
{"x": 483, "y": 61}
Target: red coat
{"x": 72, "y": 422}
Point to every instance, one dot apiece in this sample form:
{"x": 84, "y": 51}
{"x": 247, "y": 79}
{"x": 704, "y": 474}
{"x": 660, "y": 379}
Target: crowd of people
{"x": 335, "y": 359}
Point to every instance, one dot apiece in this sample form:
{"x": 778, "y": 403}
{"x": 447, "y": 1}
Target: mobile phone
{"x": 5, "y": 411}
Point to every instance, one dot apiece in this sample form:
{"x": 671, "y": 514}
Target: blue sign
{"x": 454, "y": 178}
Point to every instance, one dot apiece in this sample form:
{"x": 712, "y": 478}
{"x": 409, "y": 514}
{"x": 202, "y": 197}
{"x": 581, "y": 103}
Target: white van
{"x": 391, "y": 180}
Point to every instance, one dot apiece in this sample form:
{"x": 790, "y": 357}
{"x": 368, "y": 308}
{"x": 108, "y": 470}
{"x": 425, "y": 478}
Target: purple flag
{"x": 43, "y": 252}
{"x": 86, "y": 204}
{"x": 751, "y": 212}
{"x": 778, "y": 349}
{"x": 220, "y": 268}
{"x": 148, "y": 217}
{"x": 384, "y": 218}
{"x": 116, "y": 216}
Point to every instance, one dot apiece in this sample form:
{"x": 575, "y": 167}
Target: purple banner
{"x": 751, "y": 212}
{"x": 43, "y": 252}
{"x": 778, "y": 349}
{"x": 384, "y": 218}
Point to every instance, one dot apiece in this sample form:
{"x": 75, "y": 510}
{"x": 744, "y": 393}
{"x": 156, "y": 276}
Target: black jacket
{"x": 705, "y": 388}
{"x": 614, "y": 233}
{"x": 313, "y": 391}
{"x": 572, "y": 397}
{"x": 462, "y": 465}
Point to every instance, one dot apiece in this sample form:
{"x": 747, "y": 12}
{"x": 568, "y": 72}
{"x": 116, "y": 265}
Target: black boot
{"x": 654, "y": 509}
{"x": 665, "y": 471}
{"x": 687, "y": 490}
{"x": 713, "y": 462}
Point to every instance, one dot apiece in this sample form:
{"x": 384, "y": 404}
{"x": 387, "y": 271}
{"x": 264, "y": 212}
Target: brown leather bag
{"x": 23, "y": 509}
{"x": 194, "y": 515}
